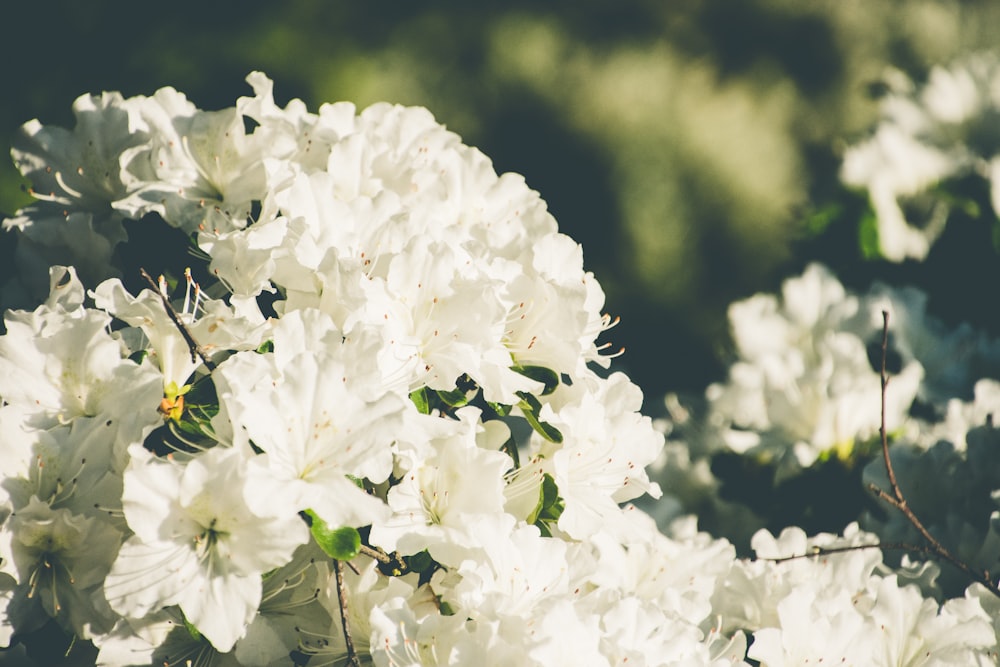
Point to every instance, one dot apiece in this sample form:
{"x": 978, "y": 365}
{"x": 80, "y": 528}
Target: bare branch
{"x": 376, "y": 554}
{"x": 898, "y": 500}
{"x": 196, "y": 349}
{"x": 818, "y": 552}
{"x": 352, "y": 654}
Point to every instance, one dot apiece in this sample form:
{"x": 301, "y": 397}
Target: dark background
{"x": 688, "y": 145}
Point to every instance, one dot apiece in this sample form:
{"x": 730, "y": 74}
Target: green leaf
{"x": 816, "y": 221}
{"x": 420, "y": 399}
{"x": 868, "y": 236}
{"x": 535, "y": 513}
{"x": 418, "y": 562}
{"x": 550, "y": 506}
{"x": 338, "y": 543}
{"x": 550, "y": 491}
{"x": 511, "y": 448}
{"x": 193, "y": 631}
{"x": 265, "y": 347}
{"x": 501, "y": 409}
{"x": 546, "y": 376}
{"x": 455, "y": 398}
{"x": 530, "y": 406}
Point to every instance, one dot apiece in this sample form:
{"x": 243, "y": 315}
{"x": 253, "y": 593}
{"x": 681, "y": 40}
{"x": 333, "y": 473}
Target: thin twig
{"x": 196, "y": 349}
{"x": 352, "y": 654}
{"x": 389, "y": 564}
{"x": 377, "y": 554}
{"x": 818, "y": 552}
{"x": 898, "y": 500}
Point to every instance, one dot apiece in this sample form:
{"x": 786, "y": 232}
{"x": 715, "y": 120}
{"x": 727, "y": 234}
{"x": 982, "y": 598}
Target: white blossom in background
{"x": 954, "y": 359}
{"x": 944, "y": 128}
{"x": 803, "y": 384}
{"x": 840, "y": 608}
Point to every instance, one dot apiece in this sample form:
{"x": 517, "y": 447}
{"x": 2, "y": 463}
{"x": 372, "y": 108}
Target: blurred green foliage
{"x": 691, "y": 146}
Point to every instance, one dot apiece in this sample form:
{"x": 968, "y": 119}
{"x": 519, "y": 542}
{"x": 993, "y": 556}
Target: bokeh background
{"x": 691, "y": 146}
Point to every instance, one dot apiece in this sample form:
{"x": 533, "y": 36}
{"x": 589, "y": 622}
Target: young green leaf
{"x": 868, "y": 236}
{"x": 340, "y": 543}
{"x": 419, "y": 562}
{"x": 546, "y": 376}
{"x": 501, "y": 409}
{"x": 510, "y": 447}
{"x": 456, "y": 398}
{"x": 531, "y": 407}
{"x": 420, "y": 399}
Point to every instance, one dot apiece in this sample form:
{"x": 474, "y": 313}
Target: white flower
{"x": 76, "y": 175}
{"x": 210, "y": 322}
{"x": 606, "y": 446}
{"x": 893, "y": 165}
{"x": 816, "y": 625}
{"x": 551, "y": 314}
{"x": 803, "y": 380}
{"x": 635, "y": 631}
{"x": 244, "y": 259}
{"x": 678, "y": 575}
{"x": 916, "y": 632}
{"x": 7, "y": 591}
{"x": 946, "y": 128}
{"x": 442, "y": 319}
{"x": 439, "y": 501}
{"x": 566, "y": 635}
{"x": 318, "y": 417}
{"x": 52, "y": 235}
{"x": 291, "y": 599}
{"x": 74, "y": 466}
{"x": 514, "y": 576}
{"x": 953, "y": 357}
{"x": 747, "y": 596}
{"x": 199, "y": 170}
{"x": 60, "y": 560}
{"x": 402, "y": 638}
{"x": 60, "y": 363}
{"x": 197, "y": 544}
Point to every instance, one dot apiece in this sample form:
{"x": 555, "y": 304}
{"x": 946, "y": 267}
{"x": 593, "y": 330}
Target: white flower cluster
{"x": 183, "y": 484}
{"x": 805, "y": 388}
{"x": 945, "y": 129}
{"x": 805, "y": 383}
{"x": 424, "y": 388}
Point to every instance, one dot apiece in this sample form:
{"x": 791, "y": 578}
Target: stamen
{"x": 50, "y": 197}
{"x": 197, "y": 301}
{"x": 314, "y": 644}
{"x": 110, "y": 511}
{"x": 608, "y": 323}
{"x": 187, "y": 291}
{"x": 289, "y": 605}
{"x": 293, "y": 580}
{"x": 184, "y": 440}
{"x": 62, "y": 183}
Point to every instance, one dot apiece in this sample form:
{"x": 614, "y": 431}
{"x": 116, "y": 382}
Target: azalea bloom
{"x": 315, "y": 425}
{"x": 196, "y": 544}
